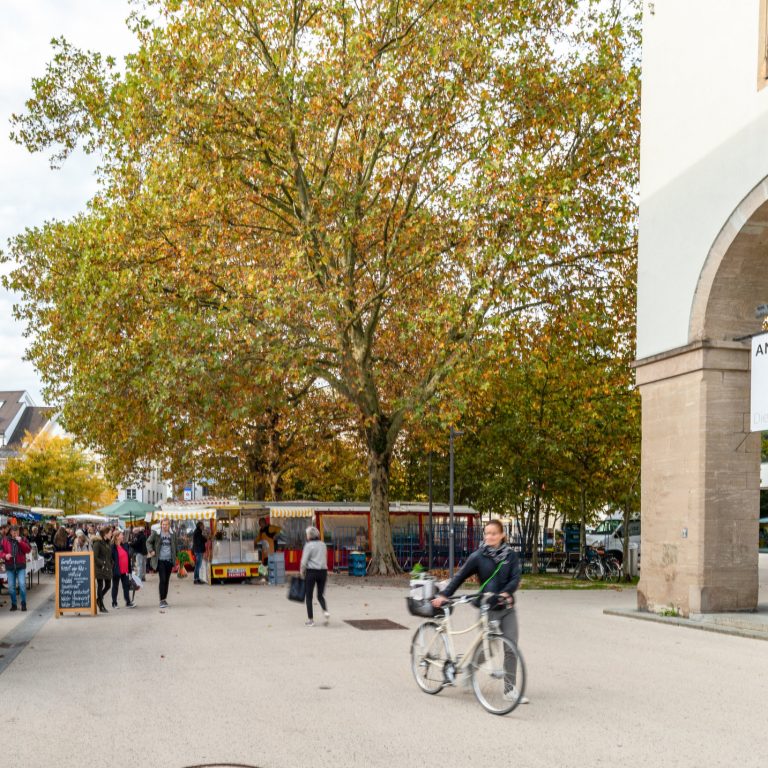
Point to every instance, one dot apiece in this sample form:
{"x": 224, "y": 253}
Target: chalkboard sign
{"x": 75, "y": 583}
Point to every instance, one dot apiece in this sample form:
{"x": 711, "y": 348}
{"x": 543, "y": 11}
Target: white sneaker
{"x": 327, "y": 616}
{"x": 309, "y": 623}
{"x": 513, "y": 695}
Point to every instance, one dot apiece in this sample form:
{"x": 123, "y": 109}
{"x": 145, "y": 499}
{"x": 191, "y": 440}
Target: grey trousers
{"x": 508, "y": 621}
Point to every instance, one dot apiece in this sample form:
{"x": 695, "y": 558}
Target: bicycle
{"x": 597, "y": 566}
{"x": 493, "y": 662}
{"x": 610, "y": 566}
{"x": 589, "y": 566}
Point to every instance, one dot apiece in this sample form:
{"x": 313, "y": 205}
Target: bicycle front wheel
{"x": 429, "y": 654}
{"x": 498, "y": 674}
{"x": 594, "y": 571}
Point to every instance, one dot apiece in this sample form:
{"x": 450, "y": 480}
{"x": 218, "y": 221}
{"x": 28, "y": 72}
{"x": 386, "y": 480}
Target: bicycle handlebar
{"x": 485, "y": 598}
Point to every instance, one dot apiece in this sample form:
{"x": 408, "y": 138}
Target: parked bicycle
{"x": 494, "y": 664}
{"x": 595, "y": 566}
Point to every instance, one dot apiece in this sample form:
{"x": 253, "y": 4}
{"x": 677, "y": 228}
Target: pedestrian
{"x": 139, "y": 545}
{"x": 60, "y": 539}
{"x": 121, "y": 568}
{"x": 314, "y": 569}
{"x": 81, "y": 543}
{"x": 14, "y": 549}
{"x": 162, "y": 547}
{"x": 37, "y": 538}
{"x": 498, "y": 569}
{"x": 102, "y": 558}
{"x": 268, "y": 537}
{"x": 198, "y": 549}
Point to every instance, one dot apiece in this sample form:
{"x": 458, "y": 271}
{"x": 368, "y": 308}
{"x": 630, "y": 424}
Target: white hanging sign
{"x": 758, "y": 406}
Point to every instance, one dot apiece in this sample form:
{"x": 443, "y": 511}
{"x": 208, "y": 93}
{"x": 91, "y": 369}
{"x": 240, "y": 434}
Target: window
{"x": 130, "y": 493}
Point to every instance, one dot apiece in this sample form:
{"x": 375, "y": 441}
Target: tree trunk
{"x": 383, "y": 561}
{"x": 536, "y": 530}
{"x": 274, "y": 458}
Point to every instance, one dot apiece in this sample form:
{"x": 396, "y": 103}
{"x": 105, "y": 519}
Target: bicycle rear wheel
{"x": 614, "y": 570}
{"x": 429, "y": 654}
{"x": 498, "y": 675}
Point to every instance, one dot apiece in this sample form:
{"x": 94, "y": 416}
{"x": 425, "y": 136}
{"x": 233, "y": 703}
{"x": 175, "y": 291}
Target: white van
{"x": 609, "y": 535}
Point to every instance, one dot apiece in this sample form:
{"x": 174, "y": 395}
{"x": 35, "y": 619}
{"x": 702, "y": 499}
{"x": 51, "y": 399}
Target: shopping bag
{"x": 136, "y": 581}
{"x": 296, "y": 589}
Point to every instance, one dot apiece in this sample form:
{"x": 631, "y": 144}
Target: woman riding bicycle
{"x": 498, "y": 569}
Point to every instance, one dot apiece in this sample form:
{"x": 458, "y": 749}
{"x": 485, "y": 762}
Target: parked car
{"x": 609, "y": 535}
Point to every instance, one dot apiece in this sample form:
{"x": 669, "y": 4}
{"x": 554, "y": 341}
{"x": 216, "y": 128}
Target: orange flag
{"x": 13, "y": 492}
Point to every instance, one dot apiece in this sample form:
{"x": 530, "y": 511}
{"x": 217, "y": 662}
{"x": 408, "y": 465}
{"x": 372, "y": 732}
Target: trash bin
{"x": 357, "y": 564}
{"x": 634, "y": 560}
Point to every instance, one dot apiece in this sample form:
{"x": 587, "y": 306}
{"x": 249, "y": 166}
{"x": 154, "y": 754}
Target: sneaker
{"x": 513, "y": 695}
{"x": 23, "y": 606}
{"x": 14, "y": 608}
{"x": 115, "y": 605}
{"x": 130, "y": 605}
{"x": 309, "y": 623}
{"x": 163, "y": 604}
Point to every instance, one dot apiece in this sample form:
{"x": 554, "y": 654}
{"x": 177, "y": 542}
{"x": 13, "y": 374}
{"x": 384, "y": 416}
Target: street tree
{"x": 53, "y": 472}
{"x": 355, "y": 192}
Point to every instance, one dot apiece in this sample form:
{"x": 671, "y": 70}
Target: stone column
{"x": 700, "y": 481}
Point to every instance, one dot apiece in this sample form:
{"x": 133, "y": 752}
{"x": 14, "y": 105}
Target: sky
{"x": 30, "y": 192}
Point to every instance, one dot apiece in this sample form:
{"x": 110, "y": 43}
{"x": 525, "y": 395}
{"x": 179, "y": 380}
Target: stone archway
{"x": 700, "y": 464}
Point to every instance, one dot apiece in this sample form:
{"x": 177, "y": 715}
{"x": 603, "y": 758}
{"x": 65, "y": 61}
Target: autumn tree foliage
{"x": 53, "y": 472}
{"x": 353, "y": 194}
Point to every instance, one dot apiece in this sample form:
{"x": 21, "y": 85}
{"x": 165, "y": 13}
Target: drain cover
{"x": 222, "y": 765}
{"x": 373, "y": 624}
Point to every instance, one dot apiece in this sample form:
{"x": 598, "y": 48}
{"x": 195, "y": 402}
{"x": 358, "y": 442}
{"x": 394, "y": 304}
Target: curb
{"x": 680, "y": 621}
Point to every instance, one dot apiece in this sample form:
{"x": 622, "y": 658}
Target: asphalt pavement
{"x": 230, "y": 675}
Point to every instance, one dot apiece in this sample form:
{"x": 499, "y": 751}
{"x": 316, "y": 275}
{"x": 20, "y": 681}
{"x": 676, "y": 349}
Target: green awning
{"x": 129, "y": 509}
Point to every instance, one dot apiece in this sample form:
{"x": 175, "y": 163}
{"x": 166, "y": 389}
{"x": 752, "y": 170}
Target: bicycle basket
{"x": 423, "y": 608}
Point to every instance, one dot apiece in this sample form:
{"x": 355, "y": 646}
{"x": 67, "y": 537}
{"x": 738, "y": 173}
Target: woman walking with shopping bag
{"x": 314, "y": 569}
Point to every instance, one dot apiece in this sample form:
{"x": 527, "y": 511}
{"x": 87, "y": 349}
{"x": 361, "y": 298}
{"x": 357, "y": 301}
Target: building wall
{"x": 153, "y": 490}
{"x": 703, "y": 148}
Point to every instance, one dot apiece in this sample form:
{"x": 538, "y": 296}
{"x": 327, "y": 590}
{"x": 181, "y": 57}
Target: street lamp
{"x": 451, "y": 535}
{"x": 429, "y": 556}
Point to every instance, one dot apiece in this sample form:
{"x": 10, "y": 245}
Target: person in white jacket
{"x": 314, "y": 569}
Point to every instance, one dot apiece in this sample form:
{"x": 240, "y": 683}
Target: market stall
{"x": 184, "y": 517}
{"x": 345, "y": 528}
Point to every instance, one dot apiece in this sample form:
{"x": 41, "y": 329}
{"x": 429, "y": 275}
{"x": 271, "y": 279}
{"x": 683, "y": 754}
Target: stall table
{"x": 33, "y": 566}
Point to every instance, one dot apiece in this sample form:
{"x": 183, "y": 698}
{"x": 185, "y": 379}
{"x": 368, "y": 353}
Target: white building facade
{"x": 703, "y": 252}
{"x": 152, "y": 489}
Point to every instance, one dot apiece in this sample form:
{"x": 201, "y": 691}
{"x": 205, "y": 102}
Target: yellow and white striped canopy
{"x": 290, "y": 511}
{"x": 198, "y": 513}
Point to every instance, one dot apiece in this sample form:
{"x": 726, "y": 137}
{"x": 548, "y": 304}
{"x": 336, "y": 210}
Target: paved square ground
{"x": 229, "y": 674}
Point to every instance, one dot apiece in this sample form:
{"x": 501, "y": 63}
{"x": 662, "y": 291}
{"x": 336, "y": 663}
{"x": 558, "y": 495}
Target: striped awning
{"x": 205, "y": 513}
{"x": 291, "y": 511}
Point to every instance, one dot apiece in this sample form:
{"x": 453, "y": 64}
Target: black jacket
{"x": 139, "y": 543}
{"x": 198, "y": 541}
{"x": 506, "y": 579}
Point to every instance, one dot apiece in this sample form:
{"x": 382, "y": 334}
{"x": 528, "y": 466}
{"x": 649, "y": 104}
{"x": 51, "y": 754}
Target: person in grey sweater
{"x": 314, "y": 569}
